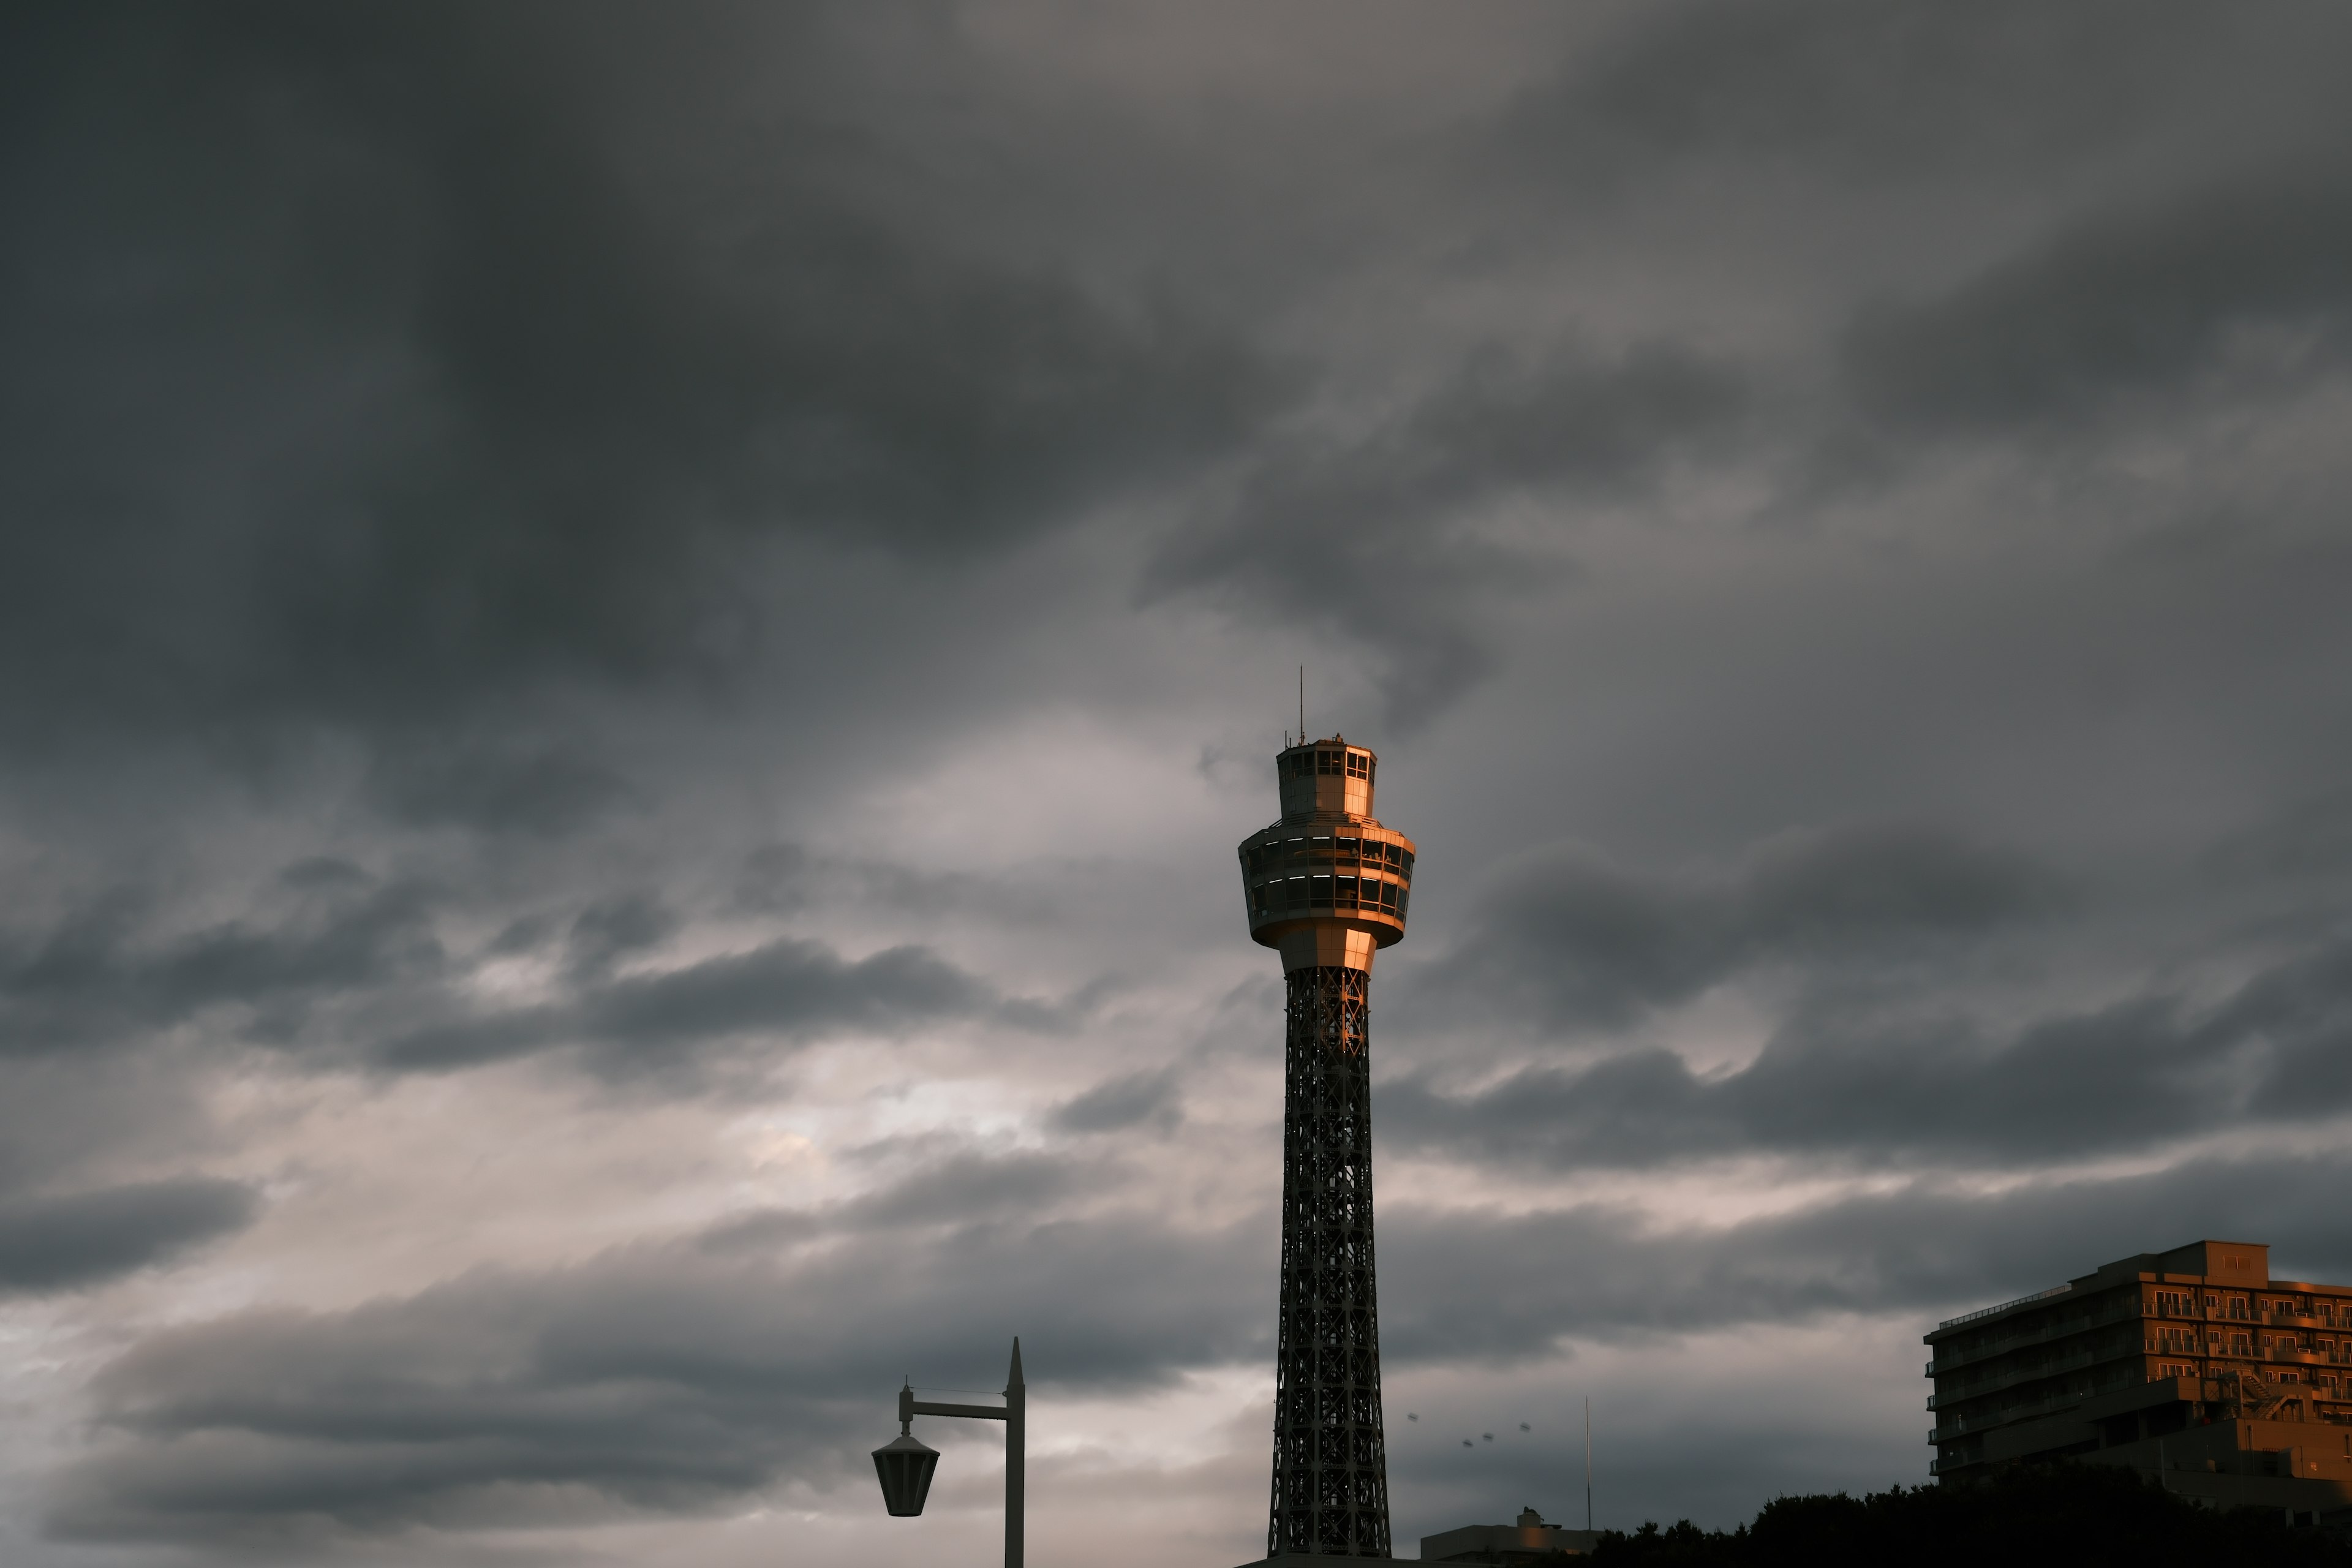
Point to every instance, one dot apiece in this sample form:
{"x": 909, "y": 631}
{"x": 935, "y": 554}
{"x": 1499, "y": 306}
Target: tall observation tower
{"x": 1326, "y": 889}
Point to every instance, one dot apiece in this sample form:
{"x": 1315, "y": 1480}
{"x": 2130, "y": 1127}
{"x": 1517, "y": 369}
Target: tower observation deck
{"x": 1327, "y": 887}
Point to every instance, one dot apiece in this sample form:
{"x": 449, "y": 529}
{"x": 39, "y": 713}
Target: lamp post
{"x": 904, "y": 1465}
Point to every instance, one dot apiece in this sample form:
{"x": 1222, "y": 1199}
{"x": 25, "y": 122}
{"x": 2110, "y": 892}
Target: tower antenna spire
{"x": 1302, "y": 705}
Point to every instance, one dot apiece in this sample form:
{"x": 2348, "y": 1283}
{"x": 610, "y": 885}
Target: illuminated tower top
{"x": 1328, "y": 885}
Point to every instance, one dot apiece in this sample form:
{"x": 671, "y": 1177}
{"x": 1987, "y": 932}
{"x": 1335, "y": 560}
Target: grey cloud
{"x": 83, "y": 1238}
{"x": 789, "y": 990}
{"x": 686, "y": 1375}
{"x": 1375, "y": 539}
{"x": 1854, "y": 91}
{"x": 2304, "y": 840}
{"x": 2125, "y": 306}
{"x": 666, "y": 1377}
{"x": 91, "y": 980}
{"x": 507, "y": 465}
{"x": 954, "y": 1186}
{"x": 1569, "y": 941}
{"x": 76, "y": 1122}
{"x": 1117, "y": 1104}
{"x": 787, "y": 983}
{"x": 355, "y": 968}
{"x": 1880, "y": 1087}
{"x": 787, "y": 878}
{"x": 547, "y": 791}
{"x": 1508, "y": 1288}
{"x": 968, "y": 1188}
{"x": 2302, "y": 1012}
{"x": 612, "y": 928}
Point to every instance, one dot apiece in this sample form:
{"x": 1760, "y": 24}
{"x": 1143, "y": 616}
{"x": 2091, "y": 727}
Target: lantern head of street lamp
{"x": 904, "y": 1465}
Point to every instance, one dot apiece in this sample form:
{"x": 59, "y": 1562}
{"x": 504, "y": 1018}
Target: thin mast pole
{"x": 1016, "y": 1439}
{"x": 1302, "y": 705}
{"x": 1588, "y": 1464}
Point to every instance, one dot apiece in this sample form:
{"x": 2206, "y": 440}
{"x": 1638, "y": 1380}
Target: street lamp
{"x": 904, "y": 1464}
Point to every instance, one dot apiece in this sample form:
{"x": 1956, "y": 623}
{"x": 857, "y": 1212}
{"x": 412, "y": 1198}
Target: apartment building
{"x": 2193, "y": 1365}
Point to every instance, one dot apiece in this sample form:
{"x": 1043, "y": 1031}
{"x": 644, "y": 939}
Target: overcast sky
{"x": 634, "y": 641}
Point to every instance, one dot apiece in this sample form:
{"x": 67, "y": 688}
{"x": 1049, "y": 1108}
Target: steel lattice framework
{"x": 1330, "y": 1464}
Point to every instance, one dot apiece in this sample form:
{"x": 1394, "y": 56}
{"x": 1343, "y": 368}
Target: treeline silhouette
{"x": 2093, "y": 1514}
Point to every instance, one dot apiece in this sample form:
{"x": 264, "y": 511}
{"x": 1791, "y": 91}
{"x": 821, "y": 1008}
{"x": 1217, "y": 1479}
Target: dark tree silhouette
{"x": 2084, "y": 1512}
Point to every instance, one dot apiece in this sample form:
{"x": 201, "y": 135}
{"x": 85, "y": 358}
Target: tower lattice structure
{"x": 1327, "y": 887}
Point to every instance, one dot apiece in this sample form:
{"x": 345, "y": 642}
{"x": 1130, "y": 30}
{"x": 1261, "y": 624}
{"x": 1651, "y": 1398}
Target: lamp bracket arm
{"x": 977, "y": 1411}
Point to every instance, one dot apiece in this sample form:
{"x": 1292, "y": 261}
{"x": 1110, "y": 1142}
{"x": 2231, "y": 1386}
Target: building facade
{"x": 2193, "y": 1365}
{"x": 1327, "y": 887}
{"x": 1529, "y": 1544}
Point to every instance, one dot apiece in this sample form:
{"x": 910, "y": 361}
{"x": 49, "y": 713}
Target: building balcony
{"x": 2057, "y": 1330}
{"x": 1957, "y": 1422}
{"x": 1956, "y": 1425}
{"x": 1973, "y": 1387}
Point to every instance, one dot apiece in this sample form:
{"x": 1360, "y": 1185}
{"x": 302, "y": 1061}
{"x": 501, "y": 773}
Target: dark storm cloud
{"x": 1457, "y": 1286}
{"x": 2246, "y": 283}
{"x": 572, "y": 478}
{"x": 91, "y": 980}
{"x": 2303, "y": 841}
{"x": 1117, "y": 1104}
{"x": 1891, "y": 1085}
{"x": 684, "y": 1376}
{"x": 2303, "y": 1010}
{"x": 1566, "y": 941}
{"x": 83, "y": 1238}
{"x": 790, "y": 879}
{"x": 789, "y": 990}
{"x": 1860, "y": 91}
{"x": 344, "y": 966}
{"x": 677, "y": 1376}
{"x": 545, "y": 790}
{"x": 365, "y": 361}
{"x": 1378, "y": 539}
{"x": 2176, "y": 233}
{"x": 968, "y": 1189}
